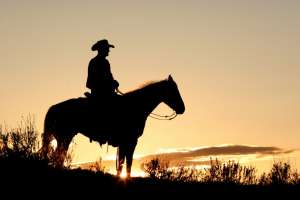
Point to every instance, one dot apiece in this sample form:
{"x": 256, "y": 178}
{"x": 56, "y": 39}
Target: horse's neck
{"x": 146, "y": 99}
{"x": 152, "y": 98}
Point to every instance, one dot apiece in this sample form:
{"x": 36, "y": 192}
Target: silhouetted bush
{"x": 22, "y": 141}
{"x": 97, "y": 166}
{"x": 229, "y": 173}
{"x": 186, "y": 174}
{"x": 159, "y": 169}
{"x": 280, "y": 174}
{"x": 22, "y": 144}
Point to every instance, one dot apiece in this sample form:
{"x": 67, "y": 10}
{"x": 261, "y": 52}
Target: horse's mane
{"x": 145, "y": 86}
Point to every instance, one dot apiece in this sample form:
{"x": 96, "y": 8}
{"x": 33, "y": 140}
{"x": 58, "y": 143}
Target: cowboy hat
{"x": 101, "y": 44}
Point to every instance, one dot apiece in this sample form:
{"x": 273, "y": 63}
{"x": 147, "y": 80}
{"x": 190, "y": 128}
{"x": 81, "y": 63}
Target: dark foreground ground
{"x": 28, "y": 179}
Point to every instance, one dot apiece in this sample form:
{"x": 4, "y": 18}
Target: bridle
{"x": 163, "y": 117}
{"x": 154, "y": 115}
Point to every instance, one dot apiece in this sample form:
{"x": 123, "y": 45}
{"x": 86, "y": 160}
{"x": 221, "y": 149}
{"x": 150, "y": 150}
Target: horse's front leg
{"x": 120, "y": 159}
{"x": 129, "y": 157}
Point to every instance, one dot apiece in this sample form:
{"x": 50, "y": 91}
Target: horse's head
{"x": 173, "y": 97}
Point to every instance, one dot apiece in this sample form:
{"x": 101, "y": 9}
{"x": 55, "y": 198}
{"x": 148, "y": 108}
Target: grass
{"x": 21, "y": 166}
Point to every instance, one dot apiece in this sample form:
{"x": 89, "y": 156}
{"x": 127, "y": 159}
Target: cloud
{"x": 200, "y": 156}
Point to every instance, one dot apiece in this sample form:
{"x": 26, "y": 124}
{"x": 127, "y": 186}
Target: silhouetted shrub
{"x": 186, "y": 174}
{"x": 157, "y": 168}
{"x": 23, "y": 144}
{"x": 230, "y": 172}
{"x": 280, "y": 174}
{"x": 97, "y": 166}
{"x": 295, "y": 178}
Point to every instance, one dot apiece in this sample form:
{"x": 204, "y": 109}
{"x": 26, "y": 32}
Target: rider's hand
{"x": 116, "y": 84}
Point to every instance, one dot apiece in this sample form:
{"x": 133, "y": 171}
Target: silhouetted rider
{"x": 100, "y": 79}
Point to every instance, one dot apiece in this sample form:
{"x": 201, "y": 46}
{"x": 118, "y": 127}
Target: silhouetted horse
{"x": 120, "y": 124}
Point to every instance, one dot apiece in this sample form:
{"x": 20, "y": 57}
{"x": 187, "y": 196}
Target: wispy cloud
{"x": 201, "y": 155}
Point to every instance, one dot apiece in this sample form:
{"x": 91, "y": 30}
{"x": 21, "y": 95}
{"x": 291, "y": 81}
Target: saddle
{"x": 103, "y": 108}
{"x": 112, "y": 96}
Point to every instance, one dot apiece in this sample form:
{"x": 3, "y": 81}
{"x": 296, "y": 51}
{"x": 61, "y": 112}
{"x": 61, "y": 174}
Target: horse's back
{"x": 65, "y": 113}
{"x": 83, "y": 112}
{"x": 70, "y": 103}
{"x": 84, "y": 115}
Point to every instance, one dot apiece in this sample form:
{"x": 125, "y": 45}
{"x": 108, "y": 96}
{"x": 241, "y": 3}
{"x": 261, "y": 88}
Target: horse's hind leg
{"x": 47, "y": 137}
{"x": 61, "y": 151}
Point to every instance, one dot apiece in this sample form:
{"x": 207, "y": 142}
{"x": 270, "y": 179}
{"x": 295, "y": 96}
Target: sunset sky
{"x": 236, "y": 63}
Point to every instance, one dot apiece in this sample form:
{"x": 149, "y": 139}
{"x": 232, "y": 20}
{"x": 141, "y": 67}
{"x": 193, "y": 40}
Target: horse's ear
{"x": 170, "y": 78}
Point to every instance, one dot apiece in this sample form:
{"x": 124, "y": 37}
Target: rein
{"x": 163, "y": 117}
{"x": 154, "y": 115}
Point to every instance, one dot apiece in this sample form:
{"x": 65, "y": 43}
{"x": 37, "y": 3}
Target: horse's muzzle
{"x": 180, "y": 111}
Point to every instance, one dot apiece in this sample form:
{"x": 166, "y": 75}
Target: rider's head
{"x": 102, "y": 46}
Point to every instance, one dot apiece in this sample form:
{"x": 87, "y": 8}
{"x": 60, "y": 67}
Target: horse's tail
{"x": 49, "y": 129}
